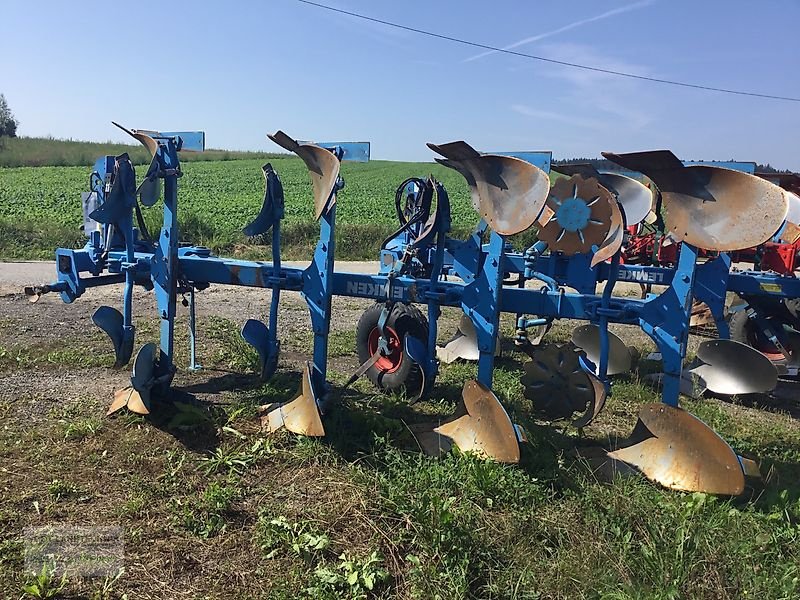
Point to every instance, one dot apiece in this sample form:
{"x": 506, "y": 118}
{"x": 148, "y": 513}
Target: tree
{"x": 8, "y": 124}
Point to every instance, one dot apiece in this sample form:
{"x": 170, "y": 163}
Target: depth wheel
{"x": 744, "y": 330}
{"x": 397, "y": 370}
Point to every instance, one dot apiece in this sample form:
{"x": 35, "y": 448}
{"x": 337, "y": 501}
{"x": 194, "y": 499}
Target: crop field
{"x": 40, "y": 206}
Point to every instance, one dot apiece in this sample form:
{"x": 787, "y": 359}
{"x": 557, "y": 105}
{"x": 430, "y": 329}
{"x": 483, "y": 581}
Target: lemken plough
{"x": 582, "y": 223}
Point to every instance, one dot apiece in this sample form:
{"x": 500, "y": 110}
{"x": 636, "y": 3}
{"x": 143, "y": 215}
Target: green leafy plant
{"x": 59, "y": 489}
{"x": 208, "y": 516}
{"x": 45, "y": 584}
{"x": 276, "y": 535}
{"x": 234, "y": 459}
{"x": 350, "y": 577}
{"x": 82, "y": 428}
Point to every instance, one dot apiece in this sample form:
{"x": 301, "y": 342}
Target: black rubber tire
{"x": 743, "y": 330}
{"x": 404, "y": 319}
{"x": 739, "y": 325}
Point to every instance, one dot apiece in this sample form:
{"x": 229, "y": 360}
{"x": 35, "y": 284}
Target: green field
{"x": 50, "y": 152}
{"x": 40, "y": 206}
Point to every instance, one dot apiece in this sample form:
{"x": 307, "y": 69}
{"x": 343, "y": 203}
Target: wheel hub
{"x": 391, "y": 362}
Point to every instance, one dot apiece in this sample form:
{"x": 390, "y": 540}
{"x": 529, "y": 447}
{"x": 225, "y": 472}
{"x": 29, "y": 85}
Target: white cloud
{"x": 619, "y": 100}
{"x": 567, "y": 27}
{"x": 529, "y": 111}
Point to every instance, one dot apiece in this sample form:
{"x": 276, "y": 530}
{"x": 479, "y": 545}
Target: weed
{"x": 276, "y": 535}
{"x": 10, "y": 553}
{"x": 60, "y": 490}
{"x": 349, "y": 578}
{"x": 207, "y": 516}
{"x": 233, "y": 351}
{"x": 45, "y": 584}
{"x": 82, "y": 428}
{"x": 235, "y": 460}
{"x": 173, "y": 465}
{"x": 107, "y": 586}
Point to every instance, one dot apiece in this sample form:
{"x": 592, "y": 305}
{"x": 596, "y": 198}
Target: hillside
{"x": 38, "y": 152}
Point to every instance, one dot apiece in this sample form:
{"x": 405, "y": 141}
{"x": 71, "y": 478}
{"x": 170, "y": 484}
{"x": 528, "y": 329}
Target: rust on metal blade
{"x": 142, "y": 138}
{"x": 473, "y": 187}
{"x": 711, "y": 207}
{"x": 582, "y": 215}
{"x": 481, "y": 425}
{"x": 750, "y": 467}
{"x": 147, "y": 142}
{"x": 613, "y": 242}
{"x": 745, "y": 211}
{"x": 510, "y": 192}
{"x": 677, "y": 450}
{"x": 323, "y": 168}
{"x": 120, "y": 400}
{"x": 791, "y": 233}
{"x": 136, "y": 404}
{"x": 300, "y": 415}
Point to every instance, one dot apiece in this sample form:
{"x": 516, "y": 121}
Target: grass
{"x": 52, "y": 152}
{"x": 362, "y": 514}
{"x": 40, "y": 207}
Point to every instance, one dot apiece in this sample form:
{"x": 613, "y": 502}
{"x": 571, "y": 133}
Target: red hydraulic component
{"x": 780, "y": 258}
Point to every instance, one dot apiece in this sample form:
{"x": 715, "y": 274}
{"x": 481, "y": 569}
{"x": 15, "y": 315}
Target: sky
{"x": 238, "y": 70}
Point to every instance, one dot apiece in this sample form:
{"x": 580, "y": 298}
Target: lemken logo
{"x": 641, "y": 276}
{"x": 372, "y": 290}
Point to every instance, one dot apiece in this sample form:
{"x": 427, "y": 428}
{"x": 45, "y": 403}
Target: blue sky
{"x": 241, "y": 69}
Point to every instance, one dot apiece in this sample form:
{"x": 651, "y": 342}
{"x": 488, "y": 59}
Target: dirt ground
{"x": 54, "y": 374}
{"x": 51, "y": 326}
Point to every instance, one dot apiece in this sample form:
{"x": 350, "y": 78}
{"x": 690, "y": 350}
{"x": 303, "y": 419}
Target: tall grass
{"x": 38, "y": 152}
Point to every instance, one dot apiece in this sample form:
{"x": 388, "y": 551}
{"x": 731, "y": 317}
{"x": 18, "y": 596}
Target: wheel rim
{"x": 392, "y": 362}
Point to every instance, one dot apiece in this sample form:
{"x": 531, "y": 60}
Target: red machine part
{"x": 647, "y": 249}
{"x": 781, "y": 258}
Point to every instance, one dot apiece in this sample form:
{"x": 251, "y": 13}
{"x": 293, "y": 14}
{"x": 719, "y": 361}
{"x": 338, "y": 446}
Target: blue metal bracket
{"x": 349, "y": 151}
{"x": 538, "y": 158}
{"x": 185, "y": 141}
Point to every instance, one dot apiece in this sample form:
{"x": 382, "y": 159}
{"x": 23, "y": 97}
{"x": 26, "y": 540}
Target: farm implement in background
{"x": 581, "y": 222}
